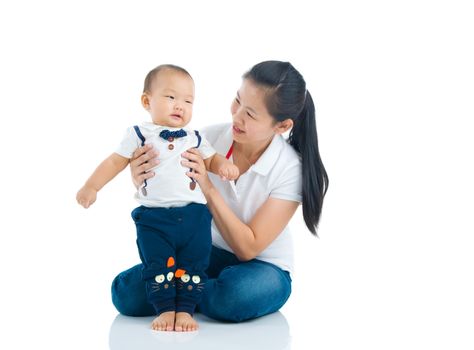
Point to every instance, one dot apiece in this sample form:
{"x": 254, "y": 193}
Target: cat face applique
{"x": 184, "y": 280}
{"x": 189, "y": 282}
{"x": 164, "y": 280}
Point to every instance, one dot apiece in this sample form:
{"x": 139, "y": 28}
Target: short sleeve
{"x": 206, "y": 149}
{"x": 289, "y": 185}
{"x": 213, "y": 132}
{"x": 129, "y": 143}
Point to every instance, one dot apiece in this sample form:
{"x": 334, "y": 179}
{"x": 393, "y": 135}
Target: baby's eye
{"x": 169, "y": 276}
{"x": 170, "y": 97}
{"x": 160, "y": 278}
{"x": 196, "y": 279}
{"x": 190, "y": 102}
{"x": 185, "y": 278}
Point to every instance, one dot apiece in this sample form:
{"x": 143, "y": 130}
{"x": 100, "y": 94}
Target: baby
{"x": 173, "y": 222}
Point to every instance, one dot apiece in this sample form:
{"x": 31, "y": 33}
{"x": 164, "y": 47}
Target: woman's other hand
{"x": 144, "y": 159}
{"x": 196, "y": 164}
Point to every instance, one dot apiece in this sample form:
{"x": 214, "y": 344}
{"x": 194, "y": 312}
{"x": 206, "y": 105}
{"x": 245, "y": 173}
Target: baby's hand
{"x": 228, "y": 171}
{"x": 86, "y": 196}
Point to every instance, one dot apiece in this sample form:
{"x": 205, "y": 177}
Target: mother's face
{"x": 251, "y": 120}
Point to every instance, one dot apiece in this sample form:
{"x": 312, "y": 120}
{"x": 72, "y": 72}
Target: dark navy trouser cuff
{"x": 189, "y": 308}
{"x": 164, "y": 306}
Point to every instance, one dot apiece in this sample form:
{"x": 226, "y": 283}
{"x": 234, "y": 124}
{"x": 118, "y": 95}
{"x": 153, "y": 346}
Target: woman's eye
{"x": 251, "y": 116}
{"x": 237, "y": 100}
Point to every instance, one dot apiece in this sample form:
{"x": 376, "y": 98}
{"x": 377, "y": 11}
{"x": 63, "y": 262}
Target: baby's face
{"x": 170, "y": 101}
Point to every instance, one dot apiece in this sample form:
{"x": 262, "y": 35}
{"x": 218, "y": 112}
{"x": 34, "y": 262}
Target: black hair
{"x": 288, "y": 98}
{"x": 154, "y": 72}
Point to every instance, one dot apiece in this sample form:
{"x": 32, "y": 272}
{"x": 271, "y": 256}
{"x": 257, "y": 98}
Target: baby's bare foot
{"x": 164, "y": 322}
{"x": 185, "y": 322}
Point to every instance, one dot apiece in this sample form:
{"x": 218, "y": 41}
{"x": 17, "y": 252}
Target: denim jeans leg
{"x": 245, "y": 291}
{"x": 219, "y": 260}
{"x": 240, "y": 292}
{"x": 129, "y": 293}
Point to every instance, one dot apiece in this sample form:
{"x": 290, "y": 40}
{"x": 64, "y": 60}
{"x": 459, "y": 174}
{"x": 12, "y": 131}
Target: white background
{"x": 393, "y": 84}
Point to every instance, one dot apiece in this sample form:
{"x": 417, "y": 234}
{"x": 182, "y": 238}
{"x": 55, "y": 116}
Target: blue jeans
{"x": 236, "y": 291}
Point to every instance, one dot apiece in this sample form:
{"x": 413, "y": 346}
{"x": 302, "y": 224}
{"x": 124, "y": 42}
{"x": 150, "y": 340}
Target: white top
{"x": 170, "y": 185}
{"x": 277, "y": 174}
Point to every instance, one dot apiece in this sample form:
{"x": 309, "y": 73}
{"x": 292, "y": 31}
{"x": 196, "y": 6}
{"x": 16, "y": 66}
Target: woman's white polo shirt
{"x": 277, "y": 174}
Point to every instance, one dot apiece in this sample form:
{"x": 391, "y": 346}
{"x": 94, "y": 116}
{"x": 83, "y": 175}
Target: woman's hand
{"x": 199, "y": 173}
{"x": 144, "y": 159}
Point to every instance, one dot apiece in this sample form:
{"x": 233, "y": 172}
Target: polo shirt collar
{"x": 266, "y": 161}
{"x": 270, "y": 156}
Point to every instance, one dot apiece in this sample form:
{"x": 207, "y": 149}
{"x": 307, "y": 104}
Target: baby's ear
{"x": 145, "y": 101}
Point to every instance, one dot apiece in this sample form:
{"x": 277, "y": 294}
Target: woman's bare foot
{"x": 164, "y": 322}
{"x": 185, "y": 322}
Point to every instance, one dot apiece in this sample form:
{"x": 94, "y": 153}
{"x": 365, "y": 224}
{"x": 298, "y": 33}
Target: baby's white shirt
{"x": 170, "y": 187}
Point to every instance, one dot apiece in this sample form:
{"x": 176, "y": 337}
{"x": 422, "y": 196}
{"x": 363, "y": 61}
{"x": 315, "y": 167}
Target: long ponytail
{"x": 304, "y": 139}
{"x": 287, "y": 97}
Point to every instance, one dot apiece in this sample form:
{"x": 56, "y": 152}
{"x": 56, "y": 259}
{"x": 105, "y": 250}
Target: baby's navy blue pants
{"x": 174, "y": 246}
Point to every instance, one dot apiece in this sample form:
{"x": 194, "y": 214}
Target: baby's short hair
{"x": 152, "y": 74}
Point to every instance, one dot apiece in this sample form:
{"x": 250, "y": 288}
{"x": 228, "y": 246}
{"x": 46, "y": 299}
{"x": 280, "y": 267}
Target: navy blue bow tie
{"x": 166, "y": 134}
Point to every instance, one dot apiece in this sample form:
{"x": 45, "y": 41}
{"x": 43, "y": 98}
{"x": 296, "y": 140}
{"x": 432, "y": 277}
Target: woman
{"x": 252, "y": 255}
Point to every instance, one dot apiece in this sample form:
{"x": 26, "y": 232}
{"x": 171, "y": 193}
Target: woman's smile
{"x": 236, "y": 130}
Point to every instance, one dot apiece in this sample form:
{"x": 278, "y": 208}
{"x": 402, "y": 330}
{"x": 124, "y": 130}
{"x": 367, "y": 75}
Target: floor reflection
{"x": 268, "y": 332}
